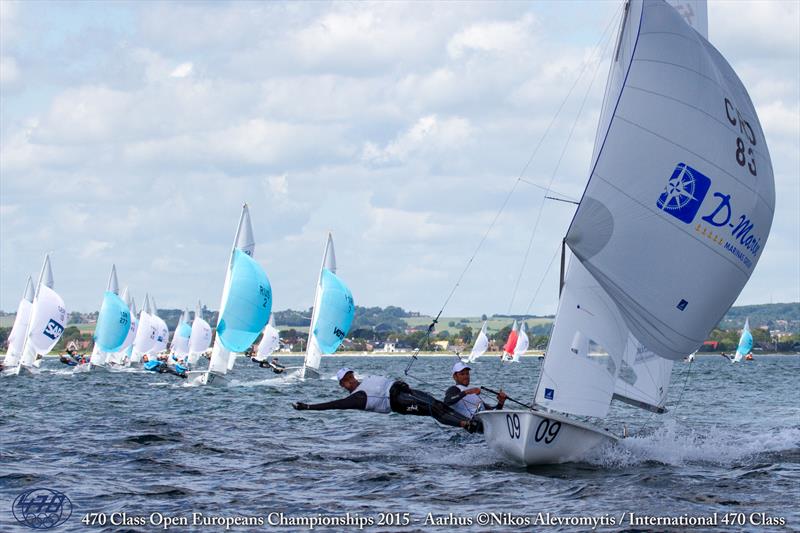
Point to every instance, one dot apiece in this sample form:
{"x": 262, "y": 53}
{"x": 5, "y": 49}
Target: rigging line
{"x": 542, "y": 187}
{"x": 508, "y": 197}
{"x": 605, "y": 38}
{"x": 562, "y": 200}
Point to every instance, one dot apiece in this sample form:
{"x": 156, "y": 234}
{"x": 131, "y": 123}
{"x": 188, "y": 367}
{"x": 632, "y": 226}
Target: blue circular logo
{"x": 42, "y": 508}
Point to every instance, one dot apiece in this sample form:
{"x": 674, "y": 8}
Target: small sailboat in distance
{"x": 674, "y": 217}
{"x": 511, "y": 343}
{"x": 480, "y": 346}
{"x": 46, "y": 324}
{"x": 270, "y": 341}
{"x": 16, "y": 339}
{"x": 745, "y": 346}
{"x": 522, "y": 343}
{"x": 146, "y": 333}
{"x": 332, "y": 314}
{"x": 113, "y": 326}
{"x": 200, "y": 339}
{"x": 245, "y": 308}
{"x": 179, "y": 347}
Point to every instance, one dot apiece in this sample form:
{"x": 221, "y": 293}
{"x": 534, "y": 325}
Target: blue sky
{"x": 131, "y": 133}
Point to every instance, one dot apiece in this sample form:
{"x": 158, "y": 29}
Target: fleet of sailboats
{"x": 677, "y": 208}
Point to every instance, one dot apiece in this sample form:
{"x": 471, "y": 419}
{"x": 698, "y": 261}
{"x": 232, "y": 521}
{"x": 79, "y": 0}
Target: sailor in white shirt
{"x": 464, "y": 400}
{"x": 385, "y": 395}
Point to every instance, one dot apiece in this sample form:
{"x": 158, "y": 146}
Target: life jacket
{"x": 377, "y": 390}
{"x": 469, "y": 404}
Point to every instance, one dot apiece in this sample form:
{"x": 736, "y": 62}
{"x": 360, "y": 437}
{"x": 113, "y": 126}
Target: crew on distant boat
{"x": 385, "y": 395}
{"x": 274, "y": 365}
{"x": 163, "y": 368}
{"x": 466, "y": 401}
{"x": 71, "y": 358}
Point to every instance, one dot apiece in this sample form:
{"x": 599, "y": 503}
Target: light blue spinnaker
{"x": 248, "y": 304}
{"x": 335, "y": 315}
{"x": 745, "y": 341}
{"x": 113, "y": 323}
{"x": 184, "y": 330}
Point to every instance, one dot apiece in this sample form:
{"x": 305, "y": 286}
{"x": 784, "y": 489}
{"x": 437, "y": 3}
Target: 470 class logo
{"x": 683, "y": 196}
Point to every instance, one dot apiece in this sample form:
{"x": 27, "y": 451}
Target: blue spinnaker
{"x": 745, "y": 343}
{"x": 248, "y": 306}
{"x": 184, "y": 330}
{"x": 113, "y": 323}
{"x": 335, "y": 313}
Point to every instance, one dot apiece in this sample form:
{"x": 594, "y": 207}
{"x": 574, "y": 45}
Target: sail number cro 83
{"x": 547, "y": 430}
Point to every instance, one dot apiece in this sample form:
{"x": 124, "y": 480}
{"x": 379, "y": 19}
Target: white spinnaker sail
{"x": 270, "y": 340}
{"x": 681, "y": 182}
{"x": 694, "y": 13}
{"x": 480, "y": 346}
{"x": 221, "y": 358}
{"x": 571, "y": 381}
{"x": 200, "y": 339}
{"x": 16, "y": 339}
{"x": 643, "y": 378}
{"x": 522, "y": 342}
{"x": 313, "y": 352}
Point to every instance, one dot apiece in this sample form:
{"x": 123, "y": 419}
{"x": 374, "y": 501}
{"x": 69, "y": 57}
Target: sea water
{"x": 136, "y": 451}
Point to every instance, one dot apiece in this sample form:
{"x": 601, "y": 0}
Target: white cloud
{"x": 495, "y": 37}
{"x": 183, "y": 70}
{"x": 9, "y": 72}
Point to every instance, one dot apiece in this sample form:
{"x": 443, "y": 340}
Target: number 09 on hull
{"x": 534, "y": 438}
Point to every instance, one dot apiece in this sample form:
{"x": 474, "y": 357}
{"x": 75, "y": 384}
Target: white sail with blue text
{"x": 674, "y": 218}
{"x": 46, "y": 325}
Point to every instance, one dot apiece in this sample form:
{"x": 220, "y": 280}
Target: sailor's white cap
{"x": 343, "y": 372}
{"x": 459, "y": 366}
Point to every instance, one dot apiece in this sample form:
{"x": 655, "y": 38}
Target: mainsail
{"x": 180, "y": 338}
{"x": 16, "y": 339}
{"x": 673, "y": 220}
{"x": 146, "y": 332}
{"x": 246, "y": 300}
{"x": 270, "y": 340}
{"x": 200, "y": 339}
{"x": 332, "y": 314}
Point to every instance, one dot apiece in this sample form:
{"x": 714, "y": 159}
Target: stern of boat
{"x": 534, "y": 438}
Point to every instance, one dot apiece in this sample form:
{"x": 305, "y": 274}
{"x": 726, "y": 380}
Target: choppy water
{"x": 141, "y": 443}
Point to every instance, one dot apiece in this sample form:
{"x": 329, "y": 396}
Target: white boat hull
{"x": 309, "y": 373}
{"x": 536, "y": 438}
{"x": 20, "y": 370}
{"x": 198, "y": 378}
{"x": 89, "y": 367}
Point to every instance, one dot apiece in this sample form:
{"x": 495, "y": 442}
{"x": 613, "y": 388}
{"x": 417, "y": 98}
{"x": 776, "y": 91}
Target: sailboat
{"x": 16, "y": 339}
{"x": 270, "y": 341}
{"x": 521, "y": 345}
{"x": 332, "y": 314}
{"x": 162, "y": 333}
{"x": 511, "y": 343}
{"x": 745, "y": 346}
{"x": 146, "y": 333}
{"x": 245, "y": 308}
{"x": 673, "y": 220}
{"x": 47, "y": 319}
{"x": 180, "y": 338}
{"x": 113, "y": 326}
{"x": 200, "y": 338}
{"x": 122, "y": 356}
{"x": 480, "y": 346}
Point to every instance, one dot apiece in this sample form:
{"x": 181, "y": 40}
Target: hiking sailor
{"x": 385, "y": 395}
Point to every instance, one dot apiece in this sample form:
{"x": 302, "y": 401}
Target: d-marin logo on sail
{"x": 684, "y": 193}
